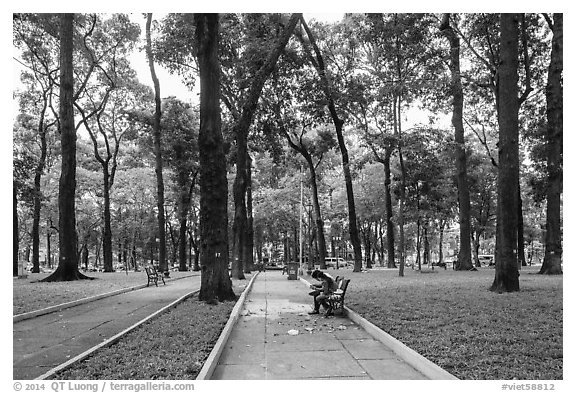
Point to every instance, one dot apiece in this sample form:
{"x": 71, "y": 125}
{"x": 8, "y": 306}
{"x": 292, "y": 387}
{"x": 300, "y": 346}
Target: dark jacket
{"x": 327, "y": 286}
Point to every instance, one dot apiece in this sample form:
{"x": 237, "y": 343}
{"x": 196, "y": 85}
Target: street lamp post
{"x": 301, "y": 261}
{"x": 337, "y": 240}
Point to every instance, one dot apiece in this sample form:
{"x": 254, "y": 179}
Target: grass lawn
{"x": 30, "y": 295}
{"x": 455, "y": 321}
{"x": 449, "y": 317}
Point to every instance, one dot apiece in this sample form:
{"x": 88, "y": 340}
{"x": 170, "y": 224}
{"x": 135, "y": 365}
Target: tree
{"x": 377, "y": 136}
{"x": 464, "y": 259}
{"x": 68, "y": 261}
{"x": 215, "y": 283}
{"x": 370, "y": 187}
{"x": 135, "y": 196}
{"x": 244, "y": 73}
{"x": 506, "y": 272}
{"x": 21, "y": 189}
{"x": 157, "y": 132}
{"x": 103, "y": 109}
{"x": 399, "y": 56}
{"x": 482, "y": 180}
{"x": 554, "y": 111}
{"x": 309, "y": 148}
{"x": 482, "y": 41}
{"x": 180, "y": 136}
{"x": 241, "y": 130}
{"x": 249, "y": 248}
{"x": 38, "y": 49}
{"x": 318, "y": 62}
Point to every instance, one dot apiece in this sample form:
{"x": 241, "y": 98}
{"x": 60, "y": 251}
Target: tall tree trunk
{"x": 15, "y": 232}
{"x": 339, "y": 127}
{"x": 521, "y": 255}
{"x": 554, "y": 110}
{"x": 182, "y": 244}
{"x": 37, "y": 194}
{"x": 476, "y": 248}
{"x": 240, "y": 213}
{"x": 506, "y": 272}
{"x": 368, "y": 246}
{"x": 301, "y": 148}
{"x": 48, "y": 246}
{"x": 316, "y": 212}
{"x": 125, "y": 248}
{"x": 464, "y": 254}
{"x": 183, "y": 208}
{"x": 317, "y": 215}
{"x": 107, "y": 230}
{"x": 426, "y": 245}
{"x": 68, "y": 258}
{"x": 84, "y": 256}
{"x": 381, "y": 243}
{"x": 241, "y": 130}
{"x": 352, "y": 220}
{"x": 440, "y": 241}
{"x": 286, "y": 248}
{"x": 157, "y": 131}
{"x": 391, "y": 263}
{"x": 119, "y": 252}
{"x": 418, "y": 244}
{"x": 249, "y": 249}
{"x": 215, "y": 281}
{"x": 402, "y": 201}
{"x": 194, "y": 245}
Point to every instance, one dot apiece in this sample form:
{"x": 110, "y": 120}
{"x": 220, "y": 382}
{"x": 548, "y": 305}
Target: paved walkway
{"x": 264, "y": 345}
{"x": 44, "y": 342}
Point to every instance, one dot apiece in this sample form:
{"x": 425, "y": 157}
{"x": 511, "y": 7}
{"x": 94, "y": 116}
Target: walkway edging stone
{"x": 425, "y": 366}
{"x": 212, "y": 360}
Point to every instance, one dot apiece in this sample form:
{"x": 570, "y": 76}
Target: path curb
{"x": 212, "y": 360}
{"x": 420, "y": 363}
{"x": 114, "y": 338}
{"x": 63, "y": 306}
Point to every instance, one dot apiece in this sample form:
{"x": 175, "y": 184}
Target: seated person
{"x": 321, "y": 291}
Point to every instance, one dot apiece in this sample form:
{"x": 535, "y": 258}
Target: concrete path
{"x": 264, "y": 345}
{"x": 44, "y": 342}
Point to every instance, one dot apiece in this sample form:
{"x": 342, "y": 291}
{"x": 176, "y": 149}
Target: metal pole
{"x": 301, "y": 203}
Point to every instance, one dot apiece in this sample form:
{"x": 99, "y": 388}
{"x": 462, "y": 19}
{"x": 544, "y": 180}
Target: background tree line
{"x": 279, "y": 94}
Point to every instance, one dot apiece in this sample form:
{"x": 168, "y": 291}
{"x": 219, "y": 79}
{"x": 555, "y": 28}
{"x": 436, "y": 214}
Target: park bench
{"x": 336, "y": 299}
{"x": 153, "y": 275}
